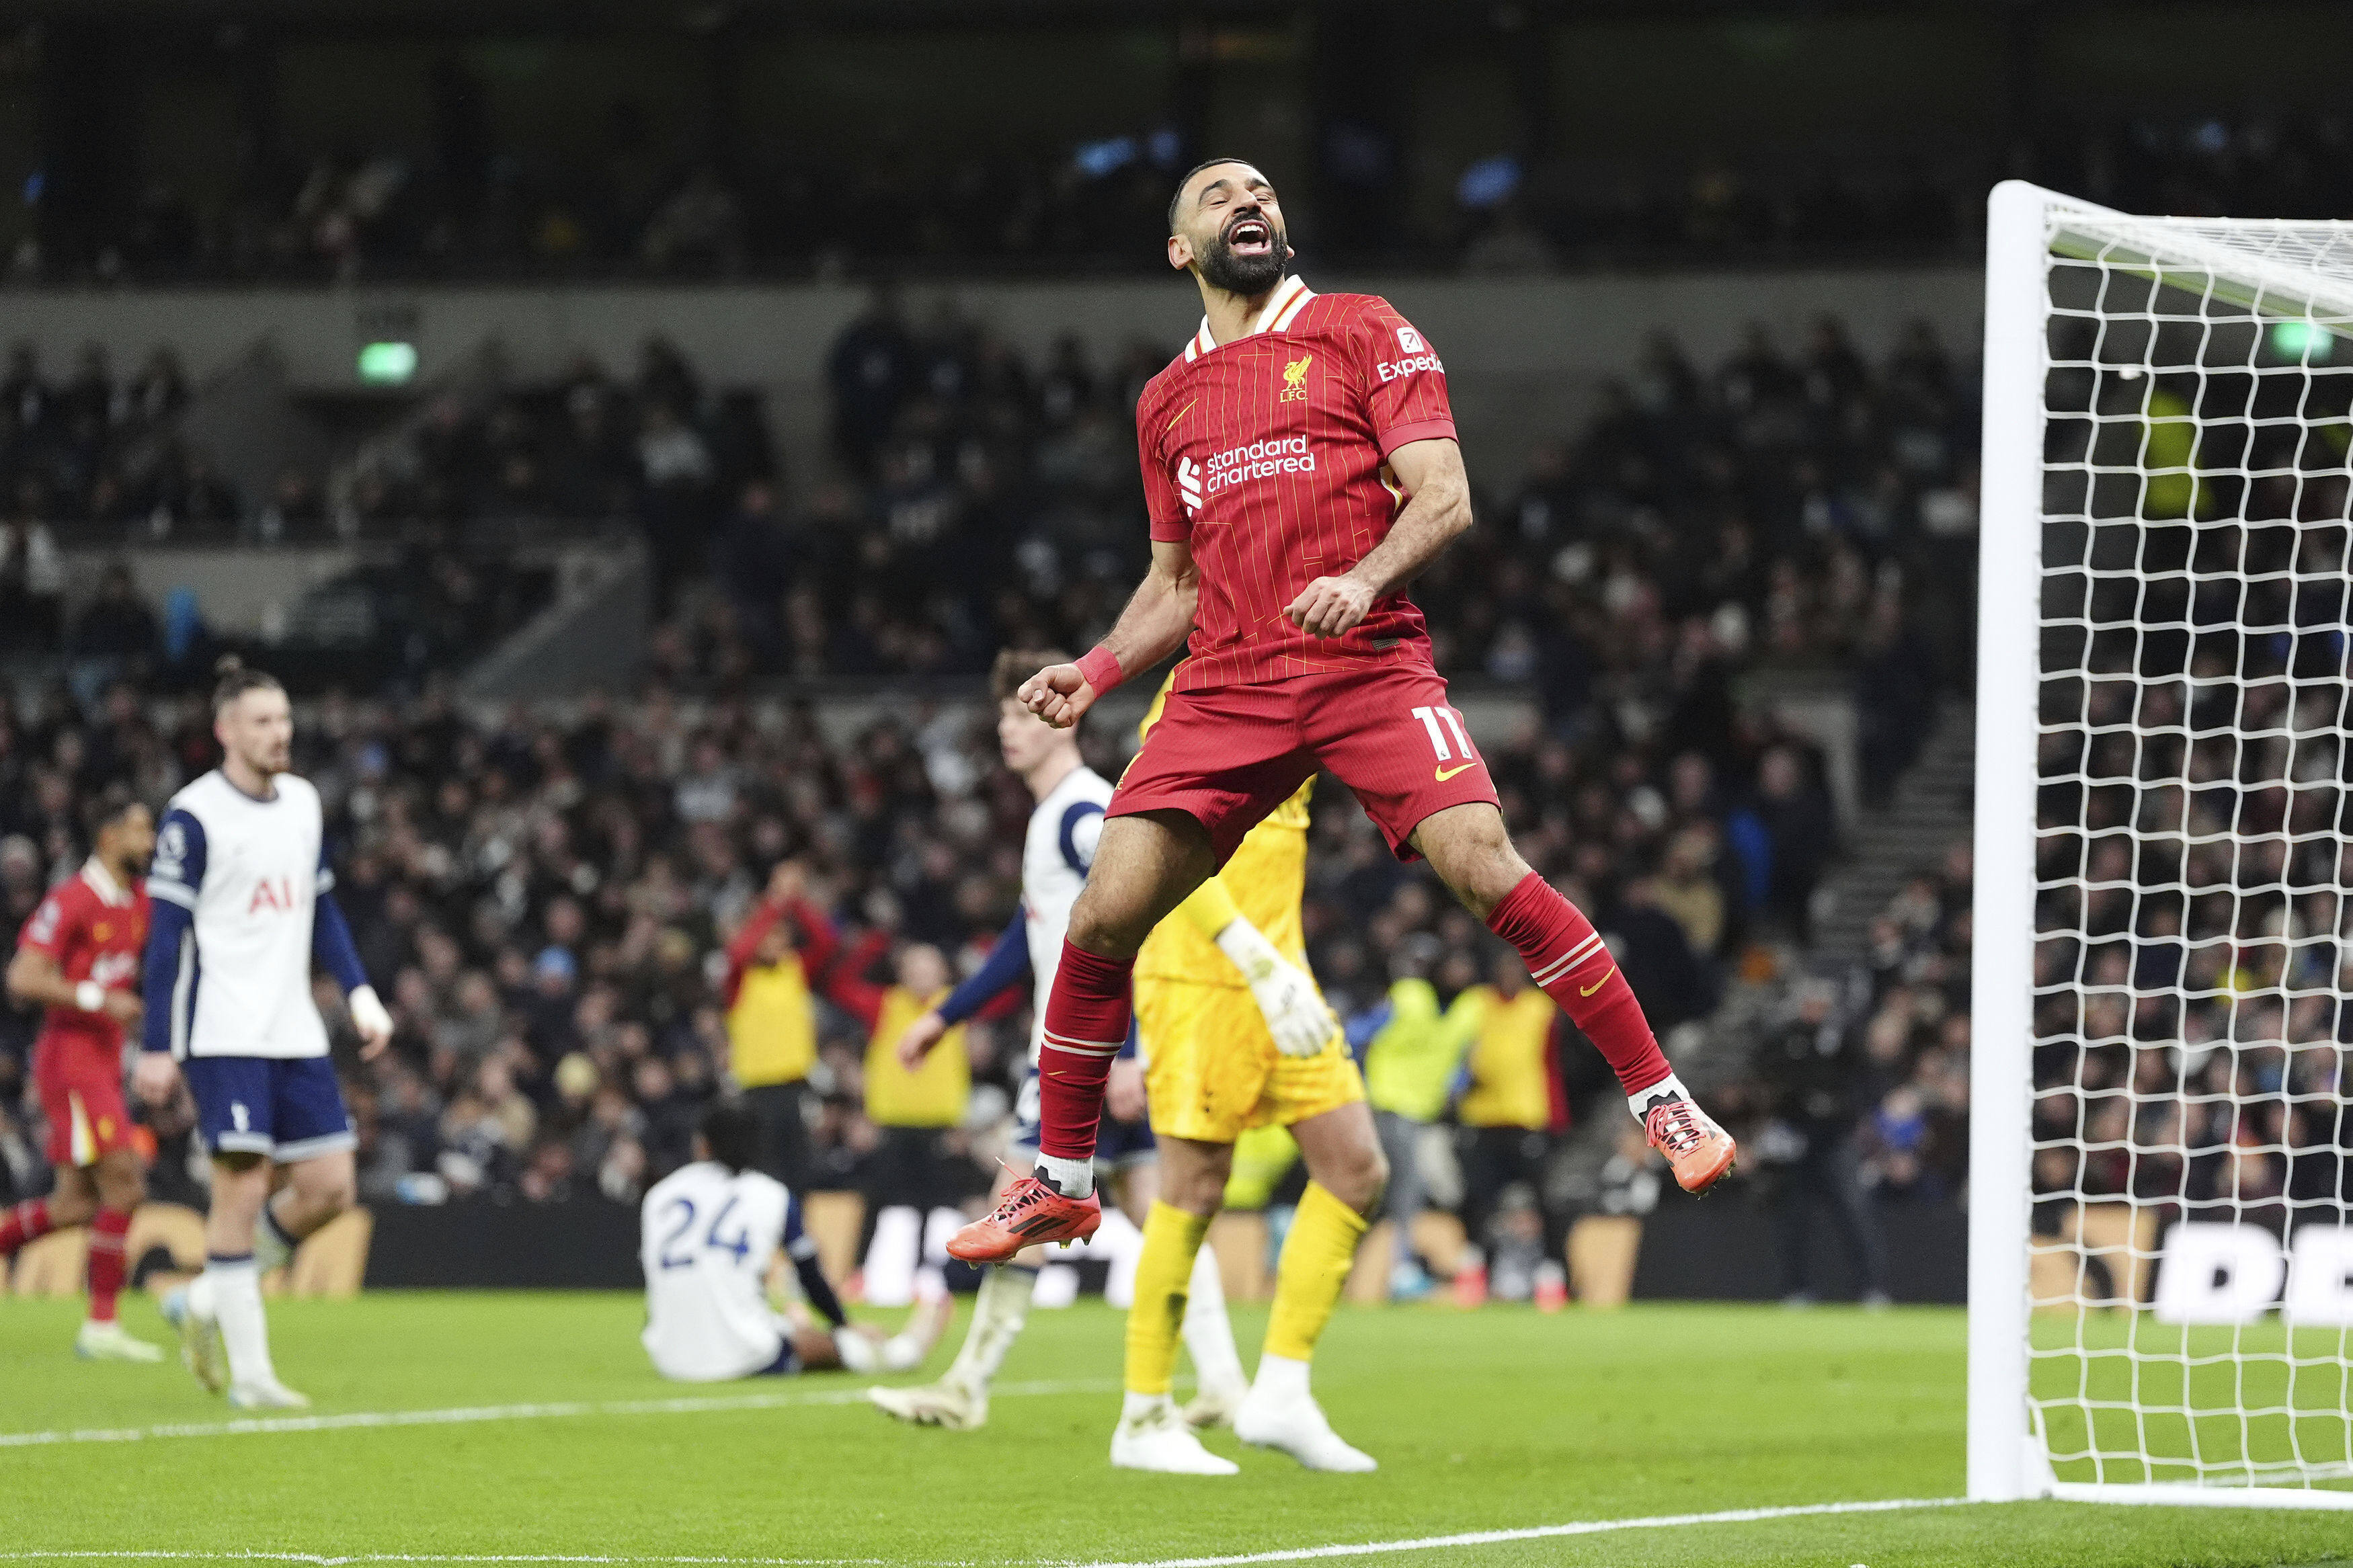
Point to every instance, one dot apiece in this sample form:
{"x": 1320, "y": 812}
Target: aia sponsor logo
{"x": 271, "y": 897}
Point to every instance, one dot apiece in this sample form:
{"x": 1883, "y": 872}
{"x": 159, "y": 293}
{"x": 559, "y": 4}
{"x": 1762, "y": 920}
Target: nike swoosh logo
{"x": 1445, "y": 773}
{"x": 1178, "y": 414}
{"x": 1590, "y": 990}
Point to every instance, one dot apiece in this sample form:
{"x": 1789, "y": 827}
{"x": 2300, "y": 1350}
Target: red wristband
{"x": 1101, "y": 666}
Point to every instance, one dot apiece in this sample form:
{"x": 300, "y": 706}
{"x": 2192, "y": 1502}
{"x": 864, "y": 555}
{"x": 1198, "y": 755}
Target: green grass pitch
{"x": 1493, "y": 1421}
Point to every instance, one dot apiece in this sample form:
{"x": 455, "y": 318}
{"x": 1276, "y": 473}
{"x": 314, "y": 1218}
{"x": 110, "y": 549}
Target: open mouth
{"x": 1249, "y": 236}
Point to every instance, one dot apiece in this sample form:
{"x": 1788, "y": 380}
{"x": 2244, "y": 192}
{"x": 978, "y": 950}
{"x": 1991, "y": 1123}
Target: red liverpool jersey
{"x": 1270, "y": 455}
{"x": 95, "y": 930}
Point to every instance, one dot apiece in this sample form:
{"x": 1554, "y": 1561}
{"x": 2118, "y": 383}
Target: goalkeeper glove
{"x": 1295, "y": 1015}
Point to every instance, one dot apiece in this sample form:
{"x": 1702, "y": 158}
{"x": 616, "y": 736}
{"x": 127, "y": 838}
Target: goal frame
{"x": 2006, "y": 1458}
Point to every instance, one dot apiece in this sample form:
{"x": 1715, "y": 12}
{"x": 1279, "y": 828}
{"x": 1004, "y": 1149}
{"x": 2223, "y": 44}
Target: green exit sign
{"x": 387, "y": 363}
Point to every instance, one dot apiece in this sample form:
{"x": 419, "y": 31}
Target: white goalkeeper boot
{"x": 1151, "y": 1435}
{"x": 1279, "y": 1413}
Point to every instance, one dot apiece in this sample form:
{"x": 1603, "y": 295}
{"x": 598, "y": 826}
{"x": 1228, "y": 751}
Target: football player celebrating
{"x": 1301, "y": 469}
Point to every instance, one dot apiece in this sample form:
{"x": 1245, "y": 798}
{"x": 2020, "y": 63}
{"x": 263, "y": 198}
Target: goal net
{"x": 2161, "y": 1267}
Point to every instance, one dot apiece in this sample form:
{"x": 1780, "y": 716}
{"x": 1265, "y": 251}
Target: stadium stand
{"x": 624, "y": 202}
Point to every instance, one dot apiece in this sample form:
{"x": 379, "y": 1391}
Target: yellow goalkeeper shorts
{"x": 1212, "y": 1073}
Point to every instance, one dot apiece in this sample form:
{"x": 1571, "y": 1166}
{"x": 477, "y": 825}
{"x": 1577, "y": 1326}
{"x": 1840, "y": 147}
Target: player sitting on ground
{"x": 1215, "y": 1073}
{"x": 710, "y": 1233}
{"x": 78, "y": 959}
{"x": 1300, "y": 467}
{"x": 242, "y": 903}
{"x": 1060, "y": 845}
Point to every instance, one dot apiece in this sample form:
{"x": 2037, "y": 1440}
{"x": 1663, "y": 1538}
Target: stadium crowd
{"x": 626, "y": 203}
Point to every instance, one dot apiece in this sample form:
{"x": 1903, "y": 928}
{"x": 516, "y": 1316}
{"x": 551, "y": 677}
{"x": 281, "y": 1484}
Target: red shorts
{"x": 1231, "y": 756}
{"x": 80, "y": 1090}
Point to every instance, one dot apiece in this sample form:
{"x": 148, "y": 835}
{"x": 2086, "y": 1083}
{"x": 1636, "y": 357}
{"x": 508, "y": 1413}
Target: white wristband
{"x": 89, "y": 997}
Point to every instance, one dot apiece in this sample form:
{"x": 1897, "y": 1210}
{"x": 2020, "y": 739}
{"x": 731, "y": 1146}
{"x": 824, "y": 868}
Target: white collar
{"x": 102, "y": 882}
{"x": 1290, "y": 297}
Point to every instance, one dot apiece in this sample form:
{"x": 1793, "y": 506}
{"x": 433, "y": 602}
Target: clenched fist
{"x": 1330, "y": 607}
{"x": 1058, "y": 694}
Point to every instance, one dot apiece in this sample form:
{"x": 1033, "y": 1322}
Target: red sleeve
{"x": 50, "y": 929}
{"x": 844, "y": 981}
{"x": 1164, "y": 500}
{"x": 1403, "y": 381}
{"x": 745, "y": 942}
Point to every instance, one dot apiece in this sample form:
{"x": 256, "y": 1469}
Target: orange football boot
{"x": 1700, "y": 1150}
{"x": 1030, "y": 1213}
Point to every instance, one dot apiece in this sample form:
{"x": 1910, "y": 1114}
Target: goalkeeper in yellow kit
{"x": 1213, "y": 1071}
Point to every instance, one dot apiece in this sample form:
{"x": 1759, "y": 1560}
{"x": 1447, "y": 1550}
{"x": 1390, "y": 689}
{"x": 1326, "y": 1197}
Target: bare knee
{"x": 1356, "y": 1174}
{"x": 1107, "y": 933}
{"x": 119, "y": 1185}
{"x": 1192, "y": 1175}
{"x": 322, "y": 1189}
{"x": 1473, "y": 854}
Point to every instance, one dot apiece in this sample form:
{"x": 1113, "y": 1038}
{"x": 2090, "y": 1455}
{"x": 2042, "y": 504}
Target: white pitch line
{"x": 467, "y": 1414}
{"x": 1356, "y": 1549}
{"x": 1540, "y": 1533}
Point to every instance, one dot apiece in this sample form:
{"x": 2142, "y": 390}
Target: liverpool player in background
{"x": 78, "y": 959}
{"x": 1300, "y": 466}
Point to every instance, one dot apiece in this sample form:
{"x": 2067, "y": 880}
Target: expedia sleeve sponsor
{"x": 1259, "y": 460}
{"x": 1412, "y": 364}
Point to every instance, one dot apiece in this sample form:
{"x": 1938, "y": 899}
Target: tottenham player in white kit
{"x": 709, "y": 1233}
{"x": 1056, "y": 854}
{"x": 243, "y": 904}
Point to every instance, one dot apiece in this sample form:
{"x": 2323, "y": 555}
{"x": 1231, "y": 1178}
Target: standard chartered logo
{"x": 1259, "y": 460}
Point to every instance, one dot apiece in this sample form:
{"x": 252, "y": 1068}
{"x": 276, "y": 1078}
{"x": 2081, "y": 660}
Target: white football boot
{"x": 1214, "y": 1408}
{"x": 200, "y": 1339}
{"x": 266, "y": 1393}
{"x": 1283, "y": 1414}
{"x": 113, "y": 1342}
{"x": 943, "y": 1403}
{"x": 1154, "y": 1437}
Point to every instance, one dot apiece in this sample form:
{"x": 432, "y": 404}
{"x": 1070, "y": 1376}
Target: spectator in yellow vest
{"x": 1409, "y": 1065}
{"x": 1512, "y": 1111}
{"x": 772, "y": 1020}
{"x": 912, "y": 1110}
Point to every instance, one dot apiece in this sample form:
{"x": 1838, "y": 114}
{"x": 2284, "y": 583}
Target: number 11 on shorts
{"x": 1431, "y": 718}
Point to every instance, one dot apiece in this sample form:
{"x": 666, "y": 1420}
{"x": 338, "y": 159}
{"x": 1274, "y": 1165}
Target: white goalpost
{"x": 2160, "y": 1258}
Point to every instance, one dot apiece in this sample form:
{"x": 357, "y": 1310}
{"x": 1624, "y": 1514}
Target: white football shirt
{"x": 707, "y": 1236}
{"x": 251, "y": 872}
{"x": 1060, "y": 846}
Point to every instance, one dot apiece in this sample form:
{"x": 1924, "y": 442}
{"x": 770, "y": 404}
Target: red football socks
{"x": 107, "y": 1230}
{"x": 1566, "y": 957}
{"x": 1087, "y": 1019}
{"x": 28, "y": 1221}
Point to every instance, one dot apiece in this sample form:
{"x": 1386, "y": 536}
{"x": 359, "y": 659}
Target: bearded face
{"x": 1249, "y": 253}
